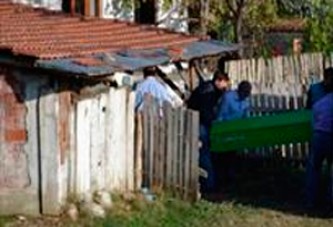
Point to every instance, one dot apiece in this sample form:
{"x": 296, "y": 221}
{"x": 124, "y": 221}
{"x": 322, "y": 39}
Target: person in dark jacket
{"x": 205, "y": 99}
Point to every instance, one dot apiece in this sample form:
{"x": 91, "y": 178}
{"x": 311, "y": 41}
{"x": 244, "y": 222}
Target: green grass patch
{"x": 259, "y": 197}
{"x": 166, "y": 212}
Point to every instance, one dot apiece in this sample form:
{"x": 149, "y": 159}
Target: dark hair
{"x": 328, "y": 79}
{"x": 328, "y": 72}
{"x": 149, "y": 71}
{"x": 244, "y": 85}
{"x": 220, "y": 75}
{"x": 244, "y": 89}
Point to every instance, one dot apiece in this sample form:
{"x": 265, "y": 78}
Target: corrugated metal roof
{"x": 106, "y": 63}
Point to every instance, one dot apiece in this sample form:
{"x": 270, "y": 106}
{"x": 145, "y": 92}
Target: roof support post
{"x": 72, "y": 7}
{"x": 99, "y": 8}
{"x": 191, "y": 72}
{"x": 86, "y": 8}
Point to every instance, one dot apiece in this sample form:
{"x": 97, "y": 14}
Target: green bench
{"x": 276, "y": 129}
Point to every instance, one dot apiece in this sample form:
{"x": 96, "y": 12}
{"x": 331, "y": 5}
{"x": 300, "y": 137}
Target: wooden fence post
{"x": 170, "y": 149}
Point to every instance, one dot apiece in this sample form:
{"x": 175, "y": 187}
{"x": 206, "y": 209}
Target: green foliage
{"x": 294, "y": 8}
{"x": 319, "y": 32}
{"x": 167, "y": 4}
{"x": 128, "y": 4}
{"x": 255, "y": 16}
{"x": 260, "y": 13}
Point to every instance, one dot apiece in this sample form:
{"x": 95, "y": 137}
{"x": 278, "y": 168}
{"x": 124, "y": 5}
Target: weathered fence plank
{"x": 83, "y": 145}
{"x": 195, "y": 155}
{"x": 169, "y": 145}
{"x": 97, "y": 148}
{"x": 130, "y": 140}
{"x": 116, "y": 140}
{"x": 169, "y": 148}
{"x": 279, "y": 84}
{"x": 50, "y": 166}
{"x": 138, "y": 155}
{"x": 102, "y": 154}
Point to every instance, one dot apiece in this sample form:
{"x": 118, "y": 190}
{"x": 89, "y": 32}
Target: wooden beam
{"x": 191, "y": 75}
{"x": 99, "y": 8}
{"x": 72, "y": 7}
{"x": 169, "y": 82}
{"x": 86, "y": 7}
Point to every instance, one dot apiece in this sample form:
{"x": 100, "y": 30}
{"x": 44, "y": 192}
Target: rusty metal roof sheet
{"x": 106, "y": 63}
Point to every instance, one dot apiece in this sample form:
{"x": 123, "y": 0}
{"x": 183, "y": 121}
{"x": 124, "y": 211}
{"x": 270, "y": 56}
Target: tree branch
{"x": 168, "y": 14}
{"x": 240, "y": 6}
{"x": 179, "y": 19}
{"x": 240, "y": 3}
{"x": 230, "y": 6}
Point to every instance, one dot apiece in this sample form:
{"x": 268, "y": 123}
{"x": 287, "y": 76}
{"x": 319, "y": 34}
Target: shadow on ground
{"x": 278, "y": 186}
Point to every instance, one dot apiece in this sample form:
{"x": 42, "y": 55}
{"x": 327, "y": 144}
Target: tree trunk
{"x": 238, "y": 25}
{"x": 204, "y": 14}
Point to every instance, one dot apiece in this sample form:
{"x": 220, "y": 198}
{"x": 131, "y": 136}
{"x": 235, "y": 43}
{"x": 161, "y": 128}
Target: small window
{"x": 78, "y": 4}
{"x": 82, "y": 7}
{"x": 145, "y": 12}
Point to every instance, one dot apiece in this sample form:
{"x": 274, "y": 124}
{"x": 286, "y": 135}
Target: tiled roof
{"x": 288, "y": 25}
{"x": 48, "y": 35}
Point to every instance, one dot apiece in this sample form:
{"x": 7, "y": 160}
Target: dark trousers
{"x": 207, "y": 184}
{"x": 321, "y": 149}
{"x": 224, "y": 168}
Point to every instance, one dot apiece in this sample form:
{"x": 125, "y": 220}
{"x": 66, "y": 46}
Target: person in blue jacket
{"x": 319, "y": 90}
{"x": 150, "y": 86}
{"x": 234, "y": 105}
{"x": 321, "y": 146}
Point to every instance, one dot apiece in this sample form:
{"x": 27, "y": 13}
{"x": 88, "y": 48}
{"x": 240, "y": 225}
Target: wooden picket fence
{"x": 279, "y": 84}
{"x": 167, "y": 145}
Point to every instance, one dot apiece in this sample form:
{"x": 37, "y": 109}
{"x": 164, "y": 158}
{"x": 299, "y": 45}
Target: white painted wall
{"x": 103, "y": 149}
{"x": 49, "y": 4}
{"x": 101, "y": 155}
{"x": 171, "y": 16}
{"x": 114, "y": 9}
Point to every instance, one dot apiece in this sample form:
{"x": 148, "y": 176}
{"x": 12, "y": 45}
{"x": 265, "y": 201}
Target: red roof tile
{"x": 44, "y": 34}
{"x": 288, "y": 25}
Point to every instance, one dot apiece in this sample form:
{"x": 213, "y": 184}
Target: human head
{"x": 221, "y": 80}
{"x": 244, "y": 89}
{"x": 328, "y": 78}
{"x": 149, "y": 71}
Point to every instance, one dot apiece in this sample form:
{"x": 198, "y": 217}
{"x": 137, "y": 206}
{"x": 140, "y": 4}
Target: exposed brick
{"x": 15, "y": 109}
{"x": 15, "y": 135}
{"x": 14, "y": 122}
{"x": 14, "y": 171}
{"x": 13, "y": 167}
{"x": 64, "y": 124}
{"x": 9, "y": 98}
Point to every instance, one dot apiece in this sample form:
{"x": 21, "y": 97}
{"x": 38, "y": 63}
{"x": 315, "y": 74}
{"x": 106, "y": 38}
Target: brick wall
{"x": 13, "y": 135}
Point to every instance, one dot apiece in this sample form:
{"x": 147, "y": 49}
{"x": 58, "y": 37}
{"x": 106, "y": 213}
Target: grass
{"x": 260, "y": 197}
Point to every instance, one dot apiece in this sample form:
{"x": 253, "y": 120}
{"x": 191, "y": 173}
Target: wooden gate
{"x": 167, "y": 148}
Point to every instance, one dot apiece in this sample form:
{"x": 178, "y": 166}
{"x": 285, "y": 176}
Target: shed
{"x": 282, "y": 35}
{"x": 63, "y": 129}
